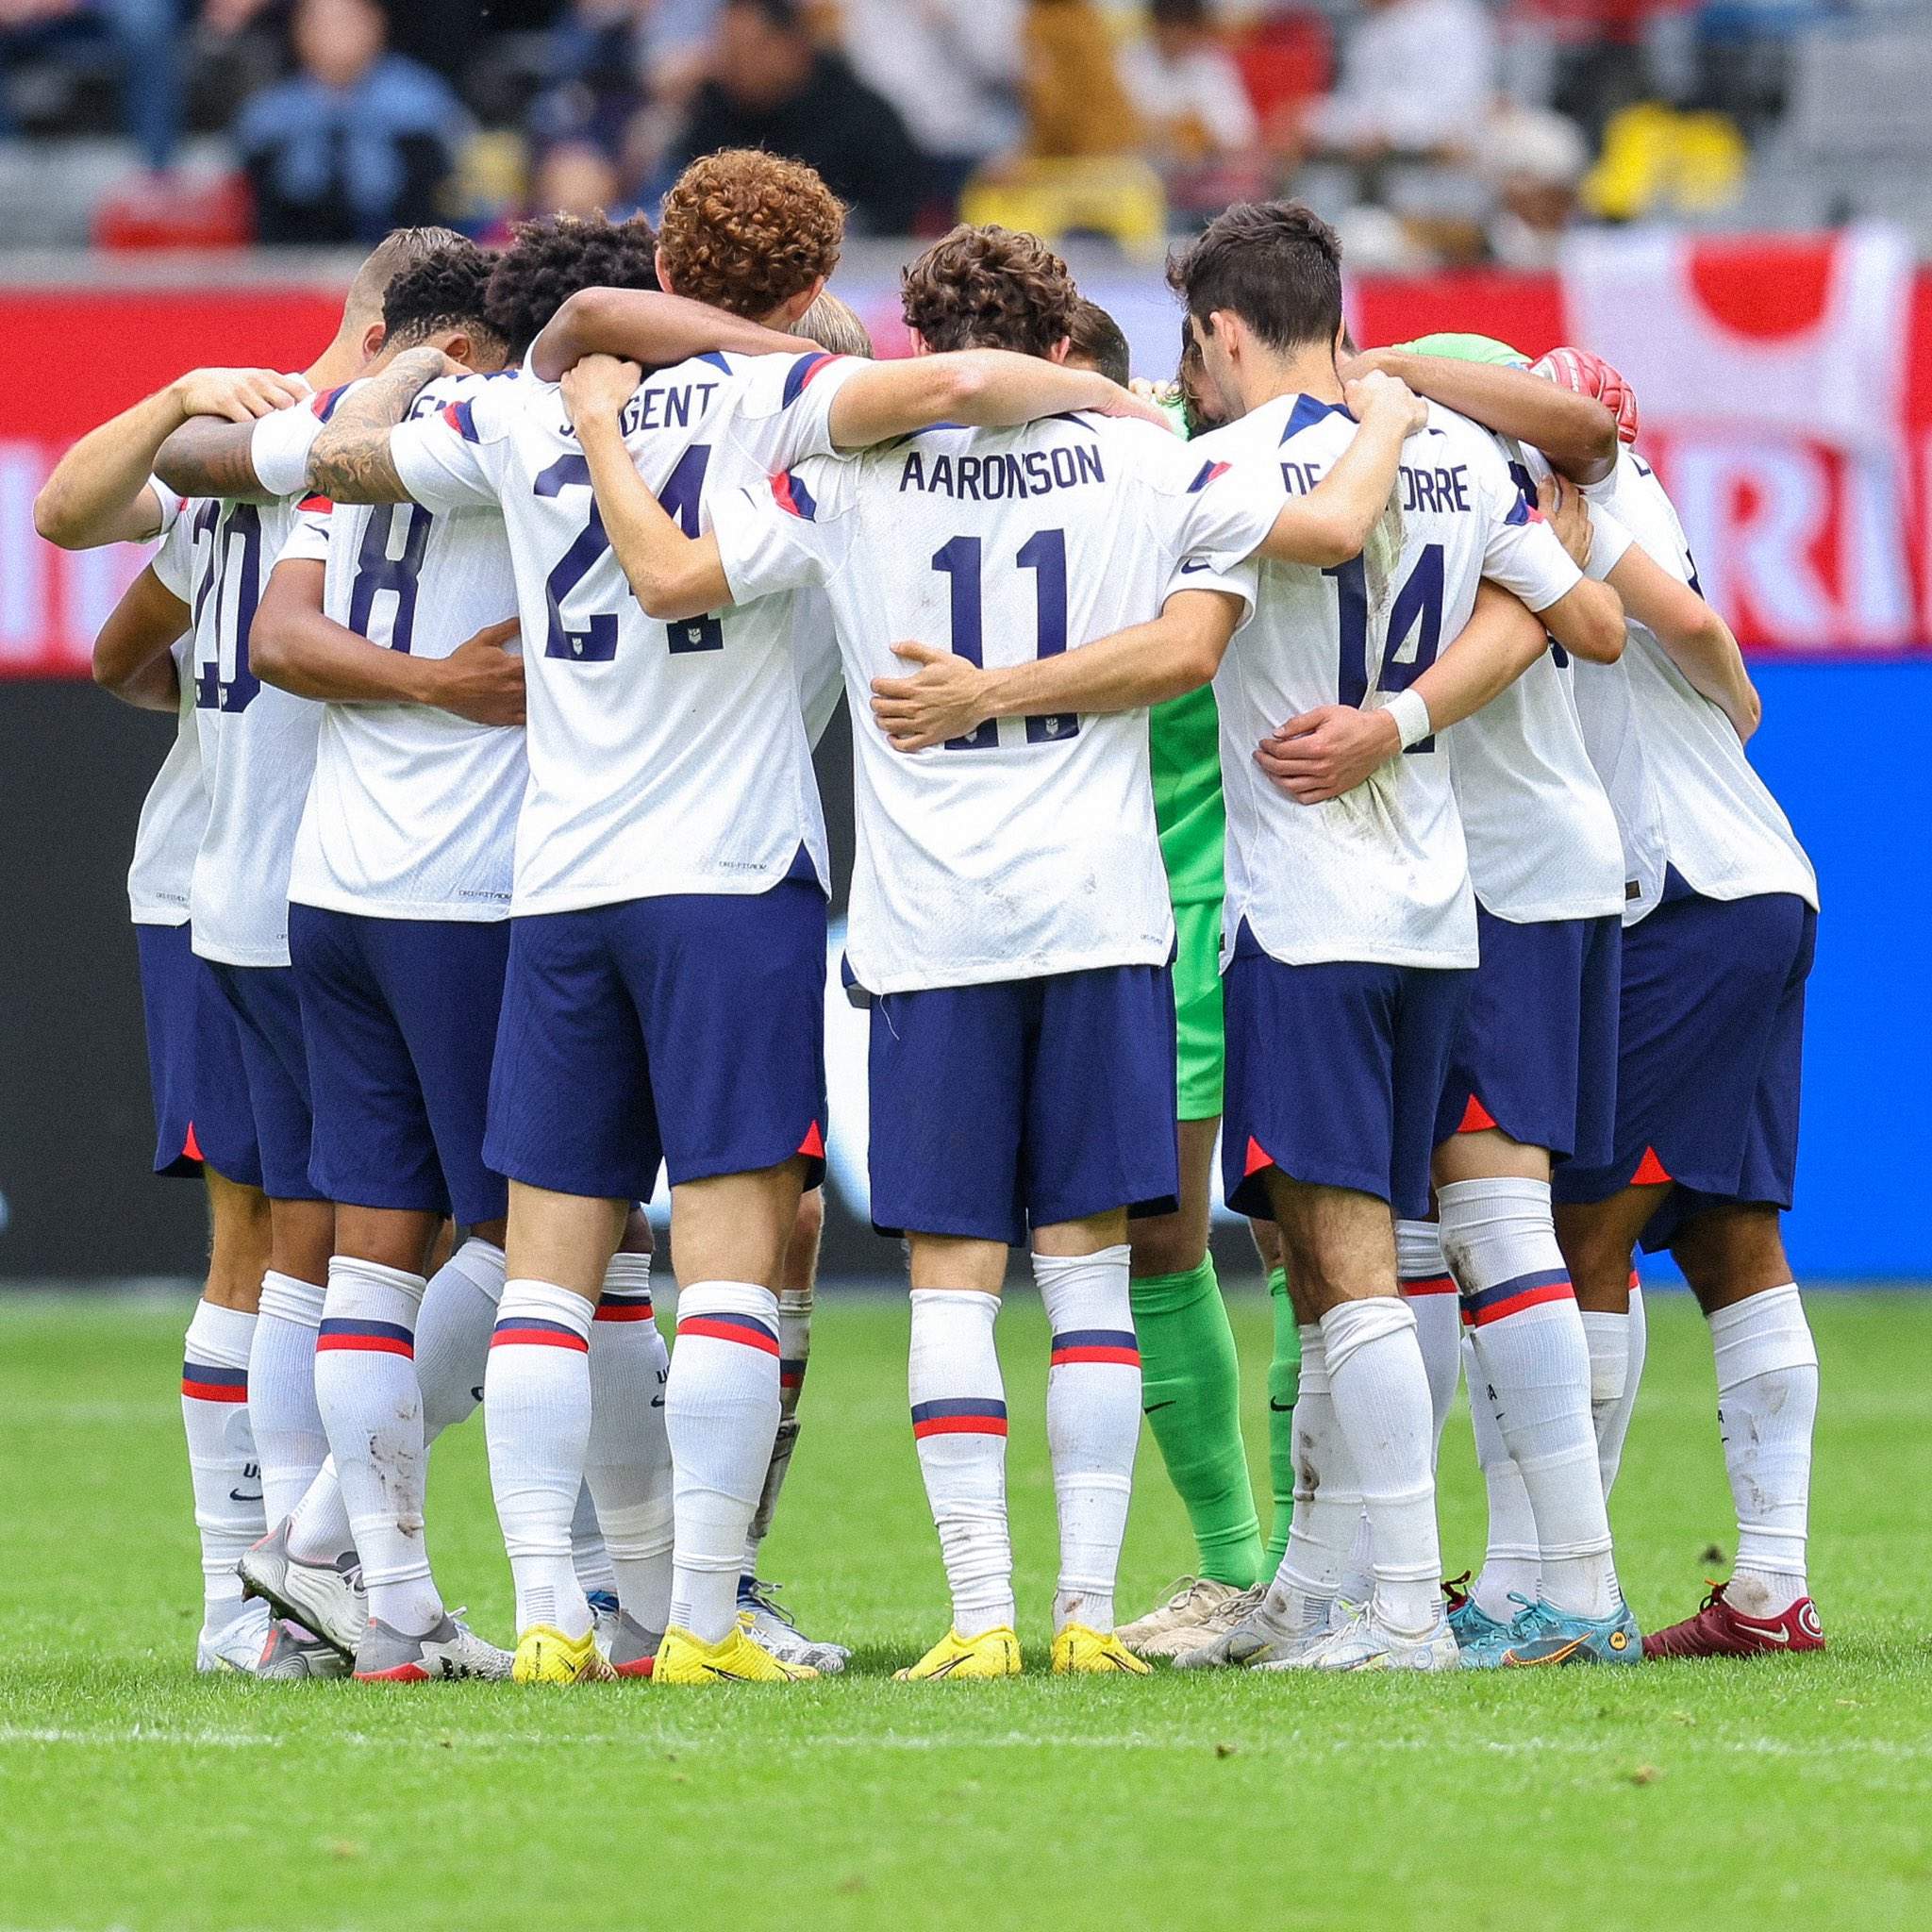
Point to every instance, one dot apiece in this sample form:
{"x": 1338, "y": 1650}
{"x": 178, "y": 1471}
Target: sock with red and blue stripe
{"x": 536, "y": 1420}
{"x": 959, "y": 1429}
{"x": 1092, "y": 1422}
{"x": 221, "y": 1452}
{"x": 1528, "y": 1345}
{"x": 721, "y": 1414}
{"x": 372, "y": 1406}
{"x": 628, "y": 1466}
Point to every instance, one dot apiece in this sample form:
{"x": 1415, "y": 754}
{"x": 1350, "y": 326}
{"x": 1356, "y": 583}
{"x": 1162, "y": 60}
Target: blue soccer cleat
{"x": 1542, "y": 1635}
{"x": 1469, "y": 1622}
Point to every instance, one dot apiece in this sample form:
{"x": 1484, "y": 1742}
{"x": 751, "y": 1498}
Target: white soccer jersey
{"x": 1380, "y": 874}
{"x": 1541, "y": 835}
{"x": 815, "y": 658}
{"x": 1027, "y": 848}
{"x": 1720, "y": 827}
{"x": 174, "y": 812}
{"x": 663, "y": 757}
{"x": 412, "y": 811}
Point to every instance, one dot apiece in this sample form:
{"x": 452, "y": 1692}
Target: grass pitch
{"x": 1791, "y": 1792}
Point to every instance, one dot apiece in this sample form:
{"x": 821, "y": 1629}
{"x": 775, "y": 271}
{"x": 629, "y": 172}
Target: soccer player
{"x": 1349, "y": 916}
{"x": 1036, "y": 1004}
{"x": 257, "y": 750}
{"x": 664, "y": 994}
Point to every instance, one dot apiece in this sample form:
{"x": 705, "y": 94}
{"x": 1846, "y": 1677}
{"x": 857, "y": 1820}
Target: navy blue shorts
{"x": 1334, "y": 1074}
{"x": 1028, "y": 1102}
{"x": 275, "y": 1071}
{"x": 1537, "y": 1052}
{"x": 400, "y": 1017}
{"x": 688, "y": 1030}
{"x": 193, "y": 1059}
{"x": 1712, "y": 1038}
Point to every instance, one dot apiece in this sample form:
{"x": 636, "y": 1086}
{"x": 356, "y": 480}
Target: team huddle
{"x": 1329, "y": 755}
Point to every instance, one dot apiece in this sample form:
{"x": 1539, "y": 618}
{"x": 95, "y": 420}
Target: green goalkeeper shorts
{"x": 1200, "y": 1048}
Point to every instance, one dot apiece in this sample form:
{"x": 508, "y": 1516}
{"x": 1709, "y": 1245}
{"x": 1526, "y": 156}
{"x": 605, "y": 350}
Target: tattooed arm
{"x": 350, "y": 460}
{"x": 209, "y": 457}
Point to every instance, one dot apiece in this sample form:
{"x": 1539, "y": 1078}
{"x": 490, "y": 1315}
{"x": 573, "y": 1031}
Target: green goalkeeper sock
{"x": 1191, "y": 1389}
{"x": 1284, "y": 1380}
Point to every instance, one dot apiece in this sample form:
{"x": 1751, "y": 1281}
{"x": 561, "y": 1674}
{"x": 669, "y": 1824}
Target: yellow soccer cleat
{"x": 1081, "y": 1652}
{"x": 546, "y": 1655}
{"x": 682, "y": 1659}
{"x": 991, "y": 1653}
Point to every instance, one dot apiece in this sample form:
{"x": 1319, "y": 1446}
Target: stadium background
{"x": 1733, "y": 216}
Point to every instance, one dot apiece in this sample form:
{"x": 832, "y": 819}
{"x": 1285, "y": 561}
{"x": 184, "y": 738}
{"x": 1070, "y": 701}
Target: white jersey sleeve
{"x": 456, "y": 456}
{"x": 307, "y": 539}
{"x": 787, "y": 533}
{"x": 784, "y": 407}
{"x": 174, "y": 812}
{"x": 174, "y": 563}
{"x": 278, "y": 450}
{"x": 169, "y": 502}
{"x": 1522, "y": 553}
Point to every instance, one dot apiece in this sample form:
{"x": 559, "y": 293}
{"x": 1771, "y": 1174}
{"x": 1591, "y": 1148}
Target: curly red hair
{"x": 745, "y": 230}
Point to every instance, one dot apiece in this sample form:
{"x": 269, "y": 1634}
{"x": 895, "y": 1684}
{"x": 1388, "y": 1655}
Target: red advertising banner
{"x": 1785, "y": 382}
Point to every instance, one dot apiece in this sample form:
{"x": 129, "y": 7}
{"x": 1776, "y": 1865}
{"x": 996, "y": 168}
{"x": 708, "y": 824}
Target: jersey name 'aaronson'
{"x": 1005, "y": 473}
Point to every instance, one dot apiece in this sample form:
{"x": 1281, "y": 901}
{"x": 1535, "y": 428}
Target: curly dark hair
{"x": 1276, "y": 264}
{"x": 990, "y": 288}
{"x": 443, "y": 290}
{"x": 745, "y": 230}
{"x": 549, "y": 261}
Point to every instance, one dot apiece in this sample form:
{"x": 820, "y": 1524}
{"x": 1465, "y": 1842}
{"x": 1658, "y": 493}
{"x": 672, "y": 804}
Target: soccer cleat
{"x": 238, "y": 1645}
{"x": 768, "y": 1624}
{"x": 632, "y": 1649}
{"x": 1195, "y": 1611}
{"x": 388, "y": 1656}
{"x": 1365, "y": 1643}
{"x": 326, "y": 1598}
{"x": 1080, "y": 1651}
{"x": 291, "y": 1653}
{"x": 683, "y": 1659}
{"x": 1719, "y": 1630}
{"x": 991, "y": 1653}
{"x": 1469, "y": 1621}
{"x": 545, "y": 1655}
{"x": 1542, "y": 1635}
{"x": 1255, "y": 1638}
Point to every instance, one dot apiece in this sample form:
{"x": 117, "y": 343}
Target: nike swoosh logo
{"x": 1774, "y": 1635}
{"x": 1280, "y": 1407}
{"x": 656, "y": 1401}
{"x": 1193, "y": 564}
{"x": 245, "y": 1496}
{"x": 1152, "y": 1406}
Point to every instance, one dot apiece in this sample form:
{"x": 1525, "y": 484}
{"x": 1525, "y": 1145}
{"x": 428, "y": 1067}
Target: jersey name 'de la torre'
{"x": 412, "y": 811}
{"x": 663, "y": 757}
{"x": 1379, "y": 875}
{"x": 258, "y": 743}
{"x": 1027, "y": 847}
{"x": 1541, "y": 835}
{"x": 173, "y": 814}
{"x": 1685, "y": 792}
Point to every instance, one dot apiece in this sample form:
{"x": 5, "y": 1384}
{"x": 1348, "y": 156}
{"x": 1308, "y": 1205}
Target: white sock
{"x": 1093, "y": 1423}
{"x": 1512, "y": 1562}
{"x": 960, "y": 1428}
{"x": 365, "y": 1387}
{"x": 588, "y": 1556}
{"x": 536, "y": 1420}
{"x": 1327, "y": 1501}
{"x": 453, "y": 1334}
{"x": 629, "y": 1466}
{"x": 221, "y": 1452}
{"x": 1622, "y": 1340}
{"x": 1358, "y": 1583}
{"x": 721, "y": 1412}
{"x": 1767, "y": 1402}
{"x": 290, "y": 1443}
{"x": 794, "y": 1356}
{"x": 1528, "y": 1340}
{"x": 1430, "y": 1288}
{"x": 1381, "y": 1396}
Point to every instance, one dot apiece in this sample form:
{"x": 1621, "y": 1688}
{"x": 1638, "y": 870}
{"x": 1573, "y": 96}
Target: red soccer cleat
{"x": 1718, "y": 1630}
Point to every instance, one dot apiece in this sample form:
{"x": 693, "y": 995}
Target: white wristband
{"x": 1410, "y": 710}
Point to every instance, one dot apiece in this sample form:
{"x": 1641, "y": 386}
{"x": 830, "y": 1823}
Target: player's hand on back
{"x": 945, "y": 697}
{"x": 481, "y": 680}
{"x": 1116, "y": 401}
{"x": 239, "y": 394}
{"x": 1562, "y": 502}
{"x": 598, "y": 387}
{"x": 1380, "y": 393}
{"x": 1329, "y": 751}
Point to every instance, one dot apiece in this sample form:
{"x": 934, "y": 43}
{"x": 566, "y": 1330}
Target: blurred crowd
{"x": 1433, "y": 131}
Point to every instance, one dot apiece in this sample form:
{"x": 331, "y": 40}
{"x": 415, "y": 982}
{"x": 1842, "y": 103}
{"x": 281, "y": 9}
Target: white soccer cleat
{"x": 1365, "y": 1643}
{"x": 773, "y": 1630}
{"x": 1196, "y": 1611}
{"x": 1256, "y": 1639}
{"x": 292, "y": 1655}
{"x": 237, "y": 1645}
{"x": 388, "y": 1656}
{"x": 326, "y": 1598}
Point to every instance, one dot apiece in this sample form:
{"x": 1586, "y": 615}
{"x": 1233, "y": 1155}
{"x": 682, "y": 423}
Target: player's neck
{"x": 1304, "y": 372}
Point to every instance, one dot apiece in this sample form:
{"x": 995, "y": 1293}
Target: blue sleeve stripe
{"x": 801, "y": 373}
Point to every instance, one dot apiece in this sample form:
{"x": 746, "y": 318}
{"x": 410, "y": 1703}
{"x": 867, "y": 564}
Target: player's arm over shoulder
{"x": 351, "y": 460}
